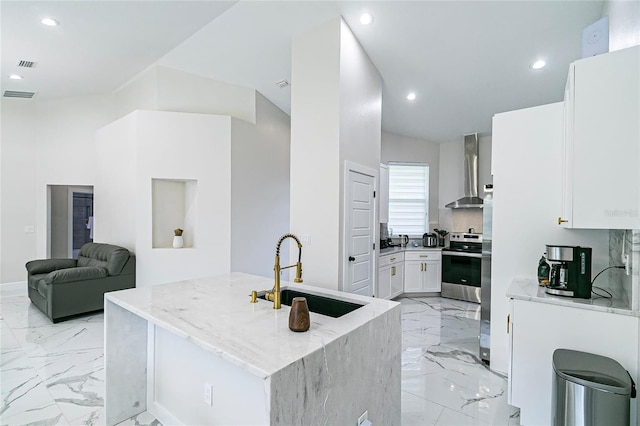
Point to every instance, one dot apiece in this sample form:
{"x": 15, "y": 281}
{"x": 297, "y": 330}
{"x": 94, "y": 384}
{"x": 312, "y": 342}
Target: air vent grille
{"x": 282, "y": 84}
{"x": 27, "y": 64}
{"x": 17, "y": 94}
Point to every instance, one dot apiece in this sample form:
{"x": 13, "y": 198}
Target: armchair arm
{"x": 75, "y": 274}
{"x": 44, "y": 266}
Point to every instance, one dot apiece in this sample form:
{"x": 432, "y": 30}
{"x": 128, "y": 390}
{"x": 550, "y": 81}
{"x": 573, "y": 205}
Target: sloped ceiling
{"x": 465, "y": 60}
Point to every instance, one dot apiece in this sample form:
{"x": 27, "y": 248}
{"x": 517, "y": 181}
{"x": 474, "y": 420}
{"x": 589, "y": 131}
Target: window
{"x": 409, "y": 198}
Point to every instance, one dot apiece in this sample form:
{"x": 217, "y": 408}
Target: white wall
{"x": 18, "y": 188}
{"x": 407, "y": 149}
{"x": 165, "y": 89}
{"x": 336, "y": 117}
{"x": 315, "y": 133}
{"x": 526, "y": 205}
{"x": 259, "y": 189}
{"x": 114, "y": 193}
{"x": 52, "y": 142}
{"x": 166, "y": 145}
{"x": 624, "y": 23}
{"x": 360, "y": 121}
{"x": 44, "y": 143}
{"x": 141, "y": 92}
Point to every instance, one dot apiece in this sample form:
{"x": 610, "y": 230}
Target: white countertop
{"x": 215, "y": 314}
{"x": 391, "y": 250}
{"x": 528, "y": 289}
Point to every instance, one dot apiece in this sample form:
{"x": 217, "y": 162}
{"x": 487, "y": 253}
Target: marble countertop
{"x": 391, "y": 250}
{"x": 215, "y": 314}
{"x": 528, "y": 289}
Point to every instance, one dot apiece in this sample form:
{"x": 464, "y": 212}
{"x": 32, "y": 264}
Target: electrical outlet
{"x": 305, "y": 239}
{"x": 208, "y": 394}
{"x": 363, "y": 417}
{"x": 29, "y": 229}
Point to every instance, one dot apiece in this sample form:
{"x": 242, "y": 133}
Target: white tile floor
{"x": 54, "y": 374}
{"x": 443, "y": 380}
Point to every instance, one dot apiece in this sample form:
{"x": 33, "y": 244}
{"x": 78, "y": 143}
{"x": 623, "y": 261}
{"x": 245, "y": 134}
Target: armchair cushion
{"x": 44, "y": 266}
{"x": 103, "y": 255}
{"x": 75, "y": 274}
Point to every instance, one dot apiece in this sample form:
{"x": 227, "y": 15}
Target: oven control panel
{"x": 465, "y": 237}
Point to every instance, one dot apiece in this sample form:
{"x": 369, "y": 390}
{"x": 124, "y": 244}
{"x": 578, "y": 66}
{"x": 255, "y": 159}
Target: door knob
{"x": 351, "y": 258}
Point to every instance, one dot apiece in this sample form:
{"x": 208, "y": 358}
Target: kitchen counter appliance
{"x": 461, "y": 267}
{"x": 570, "y": 271}
{"x": 429, "y": 240}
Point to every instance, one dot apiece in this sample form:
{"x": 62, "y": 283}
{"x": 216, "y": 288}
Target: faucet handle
{"x": 254, "y": 296}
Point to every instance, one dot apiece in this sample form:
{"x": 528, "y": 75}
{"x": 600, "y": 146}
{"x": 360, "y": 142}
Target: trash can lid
{"x": 592, "y": 371}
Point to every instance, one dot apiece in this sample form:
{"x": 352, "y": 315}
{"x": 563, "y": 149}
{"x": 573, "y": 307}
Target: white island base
{"x": 167, "y": 345}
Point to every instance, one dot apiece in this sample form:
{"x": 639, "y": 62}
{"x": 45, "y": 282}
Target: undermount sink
{"x": 319, "y": 304}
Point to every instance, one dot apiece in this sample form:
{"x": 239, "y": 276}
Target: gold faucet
{"x": 274, "y": 295}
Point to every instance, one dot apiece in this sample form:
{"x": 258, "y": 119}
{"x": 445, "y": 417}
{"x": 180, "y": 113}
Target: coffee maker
{"x": 570, "y": 271}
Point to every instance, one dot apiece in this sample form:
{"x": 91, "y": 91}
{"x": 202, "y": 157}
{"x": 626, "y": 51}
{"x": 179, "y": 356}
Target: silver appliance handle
{"x": 460, "y": 253}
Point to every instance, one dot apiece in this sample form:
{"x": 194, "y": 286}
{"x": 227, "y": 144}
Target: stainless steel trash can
{"x": 590, "y": 390}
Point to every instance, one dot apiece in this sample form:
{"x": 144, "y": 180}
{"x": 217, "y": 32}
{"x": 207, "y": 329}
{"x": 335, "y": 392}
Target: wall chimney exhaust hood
{"x": 470, "y": 199}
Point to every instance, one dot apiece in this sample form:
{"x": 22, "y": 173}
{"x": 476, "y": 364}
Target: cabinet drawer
{"x": 389, "y": 259}
{"x": 424, "y": 256}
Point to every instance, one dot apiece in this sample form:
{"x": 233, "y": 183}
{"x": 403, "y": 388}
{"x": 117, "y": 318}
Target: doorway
{"x": 70, "y": 219}
{"x": 359, "y": 250}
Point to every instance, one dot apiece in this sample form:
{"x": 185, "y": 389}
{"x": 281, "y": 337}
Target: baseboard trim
{"x": 18, "y": 288}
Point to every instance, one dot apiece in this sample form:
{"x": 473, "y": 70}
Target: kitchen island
{"x": 198, "y": 352}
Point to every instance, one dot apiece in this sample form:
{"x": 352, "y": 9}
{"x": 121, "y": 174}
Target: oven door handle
{"x": 459, "y": 253}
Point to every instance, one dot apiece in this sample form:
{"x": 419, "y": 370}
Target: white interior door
{"x": 360, "y": 234}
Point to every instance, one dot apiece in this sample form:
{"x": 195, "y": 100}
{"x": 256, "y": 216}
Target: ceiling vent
{"x": 18, "y": 94}
{"x": 27, "y": 64}
{"x": 282, "y": 84}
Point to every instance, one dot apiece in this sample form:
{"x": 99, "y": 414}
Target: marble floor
{"x": 443, "y": 380}
{"x": 54, "y": 374}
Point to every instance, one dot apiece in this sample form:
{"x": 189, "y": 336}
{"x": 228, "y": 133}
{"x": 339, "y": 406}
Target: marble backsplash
{"x": 626, "y": 285}
{"x": 460, "y": 220}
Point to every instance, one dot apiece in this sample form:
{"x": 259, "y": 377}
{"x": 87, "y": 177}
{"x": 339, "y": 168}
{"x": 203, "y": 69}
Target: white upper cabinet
{"x": 601, "y": 187}
{"x": 383, "y": 190}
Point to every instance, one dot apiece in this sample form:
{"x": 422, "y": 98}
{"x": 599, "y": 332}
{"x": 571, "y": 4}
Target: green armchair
{"x": 62, "y": 288}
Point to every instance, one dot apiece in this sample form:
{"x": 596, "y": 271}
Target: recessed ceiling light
{"x": 411, "y": 96}
{"x": 50, "y": 22}
{"x": 538, "y": 64}
{"x": 15, "y": 77}
{"x": 366, "y": 18}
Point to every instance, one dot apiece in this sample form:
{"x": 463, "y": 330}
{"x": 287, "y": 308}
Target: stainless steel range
{"x": 461, "y": 267}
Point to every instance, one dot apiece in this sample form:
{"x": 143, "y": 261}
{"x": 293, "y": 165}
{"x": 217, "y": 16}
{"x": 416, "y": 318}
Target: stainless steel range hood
{"x": 470, "y": 199}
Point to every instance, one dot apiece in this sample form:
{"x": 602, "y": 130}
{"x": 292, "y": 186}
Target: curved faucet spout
{"x": 275, "y": 295}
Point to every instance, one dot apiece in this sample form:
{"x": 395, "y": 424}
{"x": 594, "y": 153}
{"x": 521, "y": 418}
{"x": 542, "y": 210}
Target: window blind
{"x": 408, "y": 198}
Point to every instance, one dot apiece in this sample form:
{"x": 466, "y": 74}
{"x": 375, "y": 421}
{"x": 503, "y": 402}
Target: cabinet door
{"x": 432, "y": 277}
{"x": 383, "y": 190}
{"x": 384, "y": 282}
{"x": 566, "y": 217}
{"x": 397, "y": 279}
{"x": 413, "y": 270}
{"x": 605, "y": 162}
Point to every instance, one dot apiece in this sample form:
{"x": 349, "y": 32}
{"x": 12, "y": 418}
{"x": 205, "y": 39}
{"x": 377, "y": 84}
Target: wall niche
{"x": 174, "y": 205}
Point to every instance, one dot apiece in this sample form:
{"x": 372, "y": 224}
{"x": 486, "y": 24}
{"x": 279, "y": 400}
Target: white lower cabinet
{"x": 422, "y": 271}
{"x": 390, "y": 275}
{"x": 543, "y": 328}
